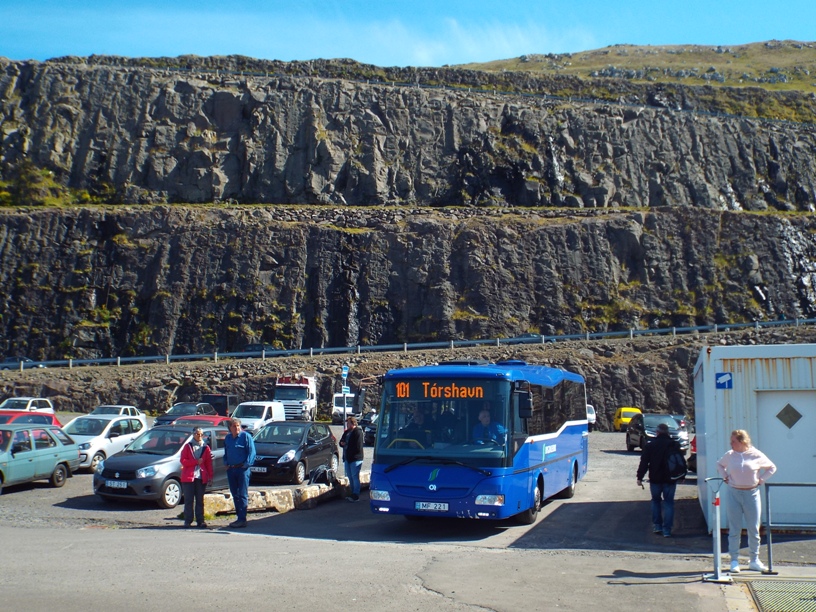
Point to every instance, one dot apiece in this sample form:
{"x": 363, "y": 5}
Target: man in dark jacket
{"x": 654, "y": 458}
{"x": 352, "y": 443}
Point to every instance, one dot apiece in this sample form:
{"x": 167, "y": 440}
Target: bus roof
{"x": 504, "y": 370}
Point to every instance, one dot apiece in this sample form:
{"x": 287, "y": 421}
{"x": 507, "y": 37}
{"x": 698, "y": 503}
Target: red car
{"x": 23, "y": 416}
{"x": 203, "y": 420}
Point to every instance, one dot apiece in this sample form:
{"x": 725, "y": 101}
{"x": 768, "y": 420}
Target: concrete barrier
{"x": 282, "y": 499}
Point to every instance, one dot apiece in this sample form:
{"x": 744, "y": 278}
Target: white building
{"x": 770, "y": 391}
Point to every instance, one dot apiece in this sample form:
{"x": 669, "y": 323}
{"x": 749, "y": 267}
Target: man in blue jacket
{"x": 239, "y": 454}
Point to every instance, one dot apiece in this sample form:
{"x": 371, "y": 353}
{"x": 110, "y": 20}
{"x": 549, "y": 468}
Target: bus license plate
{"x": 432, "y": 506}
{"x": 115, "y": 484}
{"x": 260, "y": 470}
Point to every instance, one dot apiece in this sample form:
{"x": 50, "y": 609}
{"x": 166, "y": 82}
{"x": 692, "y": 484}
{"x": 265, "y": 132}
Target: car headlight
{"x": 84, "y": 446}
{"x": 146, "y": 472}
{"x": 377, "y": 495}
{"x": 650, "y": 434}
{"x": 287, "y": 457}
{"x": 100, "y": 466}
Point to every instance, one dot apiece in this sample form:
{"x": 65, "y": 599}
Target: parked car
{"x": 224, "y": 403}
{"x": 21, "y": 416}
{"x": 287, "y": 451}
{"x": 259, "y": 348}
{"x": 150, "y": 467}
{"x": 255, "y": 415}
{"x": 184, "y": 409}
{"x": 369, "y": 426}
{"x": 682, "y": 420}
{"x": 203, "y": 420}
{"x": 643, "y": 427}
{"x": 525, "y": 339}
{"x": 101, "y": 435}
{"x": 623, "y": 416}
{"x": 591, "y": 417}
{"x": 691, "y": 462}
{"x": 30, "y": 404}
{"x": 31, "y": 452}
{"x": 117, "y": 409}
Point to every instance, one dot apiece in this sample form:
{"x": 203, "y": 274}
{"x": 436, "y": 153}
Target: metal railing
{"x": 405, "y": 347}
{"x": 769, "y": 524}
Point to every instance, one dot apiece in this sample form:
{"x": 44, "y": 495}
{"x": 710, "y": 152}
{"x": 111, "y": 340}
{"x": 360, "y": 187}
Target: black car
{"x": 525, "y": 339}
{"x": 369, "y": 426}
{"x": 184, "y": 409}
{"x": 286, "y": 451}
{"x": 643, "y": 427}
{"x": 150, "y": 467}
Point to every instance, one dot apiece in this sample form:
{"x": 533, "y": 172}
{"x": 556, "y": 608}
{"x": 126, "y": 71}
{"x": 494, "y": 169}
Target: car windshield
{"x": 249, "y": 411}
{"x": 628, "y": 414}
{"x": 13, "y": 403}
{"x": 85, "y": 426}
{"x": 281, "y": 434}
{"x": 180, "y": 409}
{"x": 106, "y": 410}
{"x": 291, "y": 393}
{"x": 343, "y": 401}
{"x": 159, "y": 442}
{"x": 653, "y": 420}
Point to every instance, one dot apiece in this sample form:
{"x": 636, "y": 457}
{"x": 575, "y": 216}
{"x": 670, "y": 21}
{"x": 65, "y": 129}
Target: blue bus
{"x": 478, "y": 440}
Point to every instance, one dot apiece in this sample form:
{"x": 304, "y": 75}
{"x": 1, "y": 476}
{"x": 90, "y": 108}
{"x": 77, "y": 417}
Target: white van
{"x": 343, "y": 405}
{"x": 256, "y": 414}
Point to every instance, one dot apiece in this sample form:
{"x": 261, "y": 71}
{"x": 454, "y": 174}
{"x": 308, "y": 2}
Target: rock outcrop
{"x": 206, "y": 134}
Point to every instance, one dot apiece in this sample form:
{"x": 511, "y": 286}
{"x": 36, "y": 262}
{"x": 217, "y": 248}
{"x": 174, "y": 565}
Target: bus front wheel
{"x": 529, "y": 516}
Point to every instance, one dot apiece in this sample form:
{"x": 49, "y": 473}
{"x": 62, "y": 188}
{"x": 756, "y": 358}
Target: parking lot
{"x": 595, "y": 546}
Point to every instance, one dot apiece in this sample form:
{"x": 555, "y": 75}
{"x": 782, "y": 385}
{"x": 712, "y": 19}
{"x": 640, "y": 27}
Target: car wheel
{"x": 59, "y": 476}
{"x": 569, "y": 492}
{"x": 170, "y": 494}
{"x": 300, "y": 473}
{"x": 529, "y": 516}
{"x": 334, "y": 463}
{"x": 95, "y": 461}
{"x": 629, "y": 447}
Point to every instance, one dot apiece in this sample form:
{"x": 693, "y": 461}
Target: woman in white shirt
{"x": 744, "y": 469}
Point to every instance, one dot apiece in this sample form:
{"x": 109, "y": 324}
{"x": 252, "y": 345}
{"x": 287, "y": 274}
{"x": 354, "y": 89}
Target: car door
{"x": 313, "y": 453}
{"x": 119, "y": 436}
{"x": 635, "y": 430}
{"x": 46, "y": 453}
{"x": 20, "y": 467}
{"x": 214, "y": 438}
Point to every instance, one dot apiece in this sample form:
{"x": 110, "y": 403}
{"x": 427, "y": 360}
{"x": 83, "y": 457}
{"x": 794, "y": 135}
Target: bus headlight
{"x": 490, "y": 500}
{"x": 376, "y": 495}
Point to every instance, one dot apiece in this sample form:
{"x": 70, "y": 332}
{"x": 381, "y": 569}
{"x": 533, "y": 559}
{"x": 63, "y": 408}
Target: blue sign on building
{"x": 724, "y": 380}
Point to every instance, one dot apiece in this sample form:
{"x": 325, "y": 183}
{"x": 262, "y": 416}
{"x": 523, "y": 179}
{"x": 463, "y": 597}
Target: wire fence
{"x": 528, "y": 339}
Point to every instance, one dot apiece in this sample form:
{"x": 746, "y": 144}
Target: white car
{"x": 120, "y": 410}
{"x": 29, "y": 404}
{"x": 591, "y": 417}
{"x": 101, "y": 435}
{"x": 255, "y": 415}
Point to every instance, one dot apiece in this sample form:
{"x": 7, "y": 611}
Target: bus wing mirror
{"x": 525, "y": 405}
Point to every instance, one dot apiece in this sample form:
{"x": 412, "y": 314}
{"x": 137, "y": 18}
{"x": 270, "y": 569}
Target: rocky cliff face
{"x": 205, "y": 135}
{"x": 188, "y": 279}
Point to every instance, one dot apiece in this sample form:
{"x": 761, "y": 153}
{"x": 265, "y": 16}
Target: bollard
{"x": 717, "y": 576}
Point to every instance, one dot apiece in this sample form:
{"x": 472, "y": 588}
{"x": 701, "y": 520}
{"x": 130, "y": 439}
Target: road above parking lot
{"x": 595, "y": 549}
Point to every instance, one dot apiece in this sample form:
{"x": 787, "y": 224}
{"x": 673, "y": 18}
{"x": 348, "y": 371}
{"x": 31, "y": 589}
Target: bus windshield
{"x": 463, "y": 420}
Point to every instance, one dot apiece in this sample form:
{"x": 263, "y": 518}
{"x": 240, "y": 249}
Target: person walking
{"x": 196, "y": 474}
{"x": 654, "y": 459}
{"x": 352, "y": 443}
{"x": 239, "y": 455}
{"x": 744, "y": 468}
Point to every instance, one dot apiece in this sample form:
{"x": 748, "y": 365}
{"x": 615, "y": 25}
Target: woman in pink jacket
{"x": 196, "y": 473}
{"x": 744, "y": 469}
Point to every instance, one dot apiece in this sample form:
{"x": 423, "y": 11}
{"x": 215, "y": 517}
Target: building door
{"x": 787, "y": 429}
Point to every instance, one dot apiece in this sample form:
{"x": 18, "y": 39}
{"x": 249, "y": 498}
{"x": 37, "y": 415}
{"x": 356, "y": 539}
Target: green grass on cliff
{"x": 774, "y": 65}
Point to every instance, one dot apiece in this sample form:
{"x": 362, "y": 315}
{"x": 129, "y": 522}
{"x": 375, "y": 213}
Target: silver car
{"x": 102, "y": 435}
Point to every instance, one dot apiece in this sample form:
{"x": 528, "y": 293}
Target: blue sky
{"x": 386, "y": 33}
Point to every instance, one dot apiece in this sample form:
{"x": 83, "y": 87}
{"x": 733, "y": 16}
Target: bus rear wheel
{"x": 569, "y": 492}
{"x": 529, "y": 516}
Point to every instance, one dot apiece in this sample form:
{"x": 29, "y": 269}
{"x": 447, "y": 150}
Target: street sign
{"x": 723, "y": 380}
{"x": 345, "y": 372}
{"x": 345, "y": 390}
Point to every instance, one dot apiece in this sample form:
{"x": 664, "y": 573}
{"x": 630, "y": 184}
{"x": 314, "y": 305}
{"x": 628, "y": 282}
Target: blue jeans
{"x": 238, "y": 479}
{"x": 663, "y": 506}
{"x": 353, "y": 474}
{"x": 743, "y": 503}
